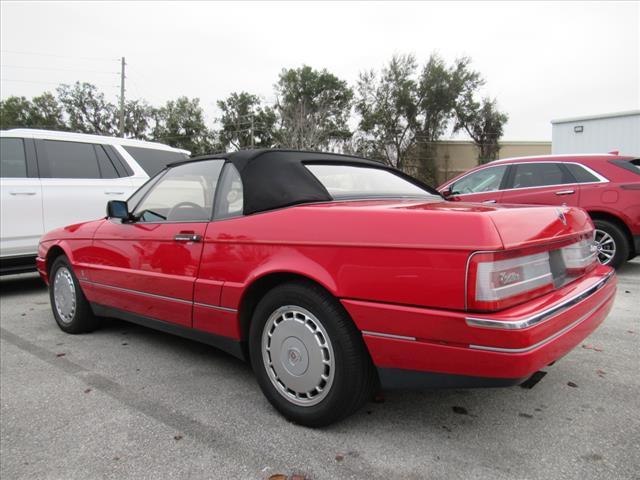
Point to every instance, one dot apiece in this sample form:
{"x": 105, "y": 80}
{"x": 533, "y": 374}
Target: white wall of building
{"x": 600, "y": 134}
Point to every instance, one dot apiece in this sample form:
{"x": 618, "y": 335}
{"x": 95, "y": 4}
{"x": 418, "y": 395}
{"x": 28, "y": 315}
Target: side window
{"x": 230, "y": 198}
{"x": 485, "y": 180}
{"x": 107, "y": 169}
{"x": 153, "y": 160}
{"x": 71, "y": 159}
{"x": 13, "y": 163}
{"x": 581, "y": 174}
{"x": 183, "y": 194}
{"x": 539, "y": 175}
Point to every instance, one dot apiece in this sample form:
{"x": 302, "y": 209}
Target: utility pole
{"x": 122, "y": 77}
{"x": 252, "y": 144}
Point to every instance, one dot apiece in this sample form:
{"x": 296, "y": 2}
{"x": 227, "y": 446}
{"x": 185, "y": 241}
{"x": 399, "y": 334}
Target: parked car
{"x": 333, "y": 274}
{"x": 605, "y": 185}
{"x": 51, "y": 179}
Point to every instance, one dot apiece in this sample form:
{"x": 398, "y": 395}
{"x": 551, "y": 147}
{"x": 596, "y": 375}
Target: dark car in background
{"x": 607, "y": 186}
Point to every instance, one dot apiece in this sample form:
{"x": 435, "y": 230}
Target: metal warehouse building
{"x": 598, "y": 134}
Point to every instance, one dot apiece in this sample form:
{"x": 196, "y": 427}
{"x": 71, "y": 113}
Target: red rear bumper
{"x": 509, "y": 345}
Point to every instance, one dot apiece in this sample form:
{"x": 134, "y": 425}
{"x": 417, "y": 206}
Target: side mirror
{"x": 118, "y": 209}
{"x": 446, "y": 193}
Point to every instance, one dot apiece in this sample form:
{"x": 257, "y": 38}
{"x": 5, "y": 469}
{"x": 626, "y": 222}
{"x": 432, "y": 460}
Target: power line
{"x": 104, "y": 85}
{"x": 102, "y": 59}
{"x": 59, "y": 69}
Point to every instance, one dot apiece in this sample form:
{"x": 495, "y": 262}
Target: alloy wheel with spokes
{"x": 606, "y": 246}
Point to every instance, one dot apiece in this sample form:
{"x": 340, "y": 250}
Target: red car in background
{"x": 607, "y": 186}
{"x": 333, "y": 275}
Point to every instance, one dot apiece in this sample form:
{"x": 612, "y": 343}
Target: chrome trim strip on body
{"x": 215, "y": 307}
{"x": 541, "y": 316}
{"x": 388, "y": 335}
{"x": 155, "y": 295}
{"x": 541, "y": 342}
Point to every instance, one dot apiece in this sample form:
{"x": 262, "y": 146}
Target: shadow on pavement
{"x": 12, "y": 285}
{"x": 630, "y": 268}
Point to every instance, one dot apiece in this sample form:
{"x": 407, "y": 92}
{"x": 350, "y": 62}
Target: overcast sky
{"x": 540, "y": 60}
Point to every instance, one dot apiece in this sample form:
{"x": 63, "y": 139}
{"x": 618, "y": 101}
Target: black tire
{"x": 620, "y": 240}
{"x": 354, "y": 377}
{"x": 81, "y": 318}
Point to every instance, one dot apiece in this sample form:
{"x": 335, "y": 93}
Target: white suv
{"x": 51, "y": 179}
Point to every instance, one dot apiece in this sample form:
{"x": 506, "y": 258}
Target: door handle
{"x": 565, "y": 192}
{"x": 187, "y": 237}
{"x": 113, "y": 193}
{"x": 22, "y": 193}
{"x": 489, "y": 201}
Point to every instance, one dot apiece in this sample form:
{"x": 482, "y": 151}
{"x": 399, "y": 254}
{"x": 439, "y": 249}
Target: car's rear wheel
{"x": 611, "y": 242}
{"x": 70, "y": 307}
{"x": 308, "y": 356}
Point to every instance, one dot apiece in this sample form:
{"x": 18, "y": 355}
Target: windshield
{"x": 349, "y": 182}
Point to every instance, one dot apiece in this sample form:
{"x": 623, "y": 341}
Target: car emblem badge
{"x": 561, "y": 216}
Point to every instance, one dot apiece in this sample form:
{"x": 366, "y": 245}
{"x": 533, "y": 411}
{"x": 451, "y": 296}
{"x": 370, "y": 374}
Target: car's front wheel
{"x": 70, "y": 307}
{"x": 611, "y": 242}
{"x": 308, "y": 356}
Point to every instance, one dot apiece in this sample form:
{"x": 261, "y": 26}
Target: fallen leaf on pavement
{"x": 571, "y": 384}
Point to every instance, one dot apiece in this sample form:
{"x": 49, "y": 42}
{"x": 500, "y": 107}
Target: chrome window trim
{"x": 486, "y": 167}
{"x": 543, "y": 316}
{"x": 155, "y": 295}
{"x": 601, "y": 178}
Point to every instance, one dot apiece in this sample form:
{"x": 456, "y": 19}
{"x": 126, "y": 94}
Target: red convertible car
{"x": 334, "y": 275}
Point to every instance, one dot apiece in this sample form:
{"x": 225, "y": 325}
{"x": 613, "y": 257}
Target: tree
{"x": 404, "y": 113}
{"x": 42, "y": 111}
{"x": 484, "y": 124}
{"x": 387, "y": 106}
{"x": 440, "y": 90}
{"x": 138, "y": 119}
{"x": 245, "y": 122}
{"x": 14, "y": 112}
{"x": 87, "y": 110}
{"x": 46, "y": 112}
{"x": 180, "y": 123}
{"x": 314, "y": 107}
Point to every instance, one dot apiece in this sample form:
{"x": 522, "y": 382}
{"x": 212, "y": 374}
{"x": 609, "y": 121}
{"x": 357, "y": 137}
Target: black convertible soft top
{"x": 278, "y": 178}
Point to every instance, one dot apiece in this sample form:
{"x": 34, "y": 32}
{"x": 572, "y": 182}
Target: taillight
{"x": 497, "y": 280}
{"x": 580, "y": 256}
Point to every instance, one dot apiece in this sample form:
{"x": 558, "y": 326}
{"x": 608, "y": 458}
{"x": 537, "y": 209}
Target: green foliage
{"x": 87, "y": 110}
{"x": 404, "y": 112}
{"x": 387, "y": 105}
{"x": 14, "y": 112}
{"x": 180, "y": 123}
{"x": 440, "y": 90}
{"x": 484, "y": 124}
{"x": 42, "y": 111}
{"x": 138, "y": 119}
{"x": 314, "y": 108}
{"x": 245, "y": 122}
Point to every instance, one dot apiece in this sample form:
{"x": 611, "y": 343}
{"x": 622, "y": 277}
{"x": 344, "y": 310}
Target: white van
{"x": 50, "y": 179}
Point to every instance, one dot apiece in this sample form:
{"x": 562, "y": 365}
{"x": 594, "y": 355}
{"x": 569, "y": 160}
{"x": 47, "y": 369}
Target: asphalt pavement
{"x": 129, "y": 402}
